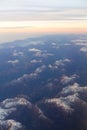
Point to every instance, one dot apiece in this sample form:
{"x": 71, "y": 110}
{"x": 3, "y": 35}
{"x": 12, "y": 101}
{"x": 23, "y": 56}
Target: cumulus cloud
{"x": 64, "y": 102}
{"x": 40, "y": 69}
{"x": 68, "y": 79}
{"x": 80, "y": 42}
{"x": 35, "y": 61}
{"x": 13, "y": 61}
{"x": 72, "y": 89}
{"x": 36, "y": 42}
{"x": 66, "y": 60}
{"x": 43, "y": 54}
{"x": 84, "y": 49}
{"x": 22, "y": 109}
{"x": 37, "y": 72}
{"x": 5, "y": 112}
{"x": 10, "y": 125}
{"x": 15, "y": 53}
{"x": 55, "y": 45}
{"x": 58, "y": 63}
{"x": 9, "y": 106}
{"x": 34, "y": 50}
{"x": 69, "y": 97}
{"x": 10, "y": 103}
{"x": 40, "y": 53}
{"x": 30, "y": 76}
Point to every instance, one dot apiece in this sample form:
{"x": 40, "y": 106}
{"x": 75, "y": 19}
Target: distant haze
{"x": 27, "y": 17}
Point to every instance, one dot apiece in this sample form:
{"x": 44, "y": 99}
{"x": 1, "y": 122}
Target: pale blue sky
{"x": 25, "y": 4}
{"x": 22, "y": 10}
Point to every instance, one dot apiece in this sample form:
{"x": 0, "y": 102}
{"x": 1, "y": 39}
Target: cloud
{"x": 80, "y": 42}
{"x": 66, "y": 60}
{"x": 15, "y": 53}
{"x": 64, "y": 102}
{"x": 54, "y": 45}
{"x": 13, "y": 61}
{"x": 34, "y": 50}
{"x": 27, "y": 77}
{"x": 28, "y": 4}
{"x": 35, "y": 61}
{"x": 68, "y": 79}
{"x": 43, "y": 54}
{"x": 69, "y": 97}
{"x": 9, "y": 106}
{"x": 5, "y": 112}
{"x": 40, "y": 69}
{"x": 10, "y": 125}
{"x": 23, "y": 111}
{"x": 57, "y": 10}
{"x": 72, "y": 89}
{"x": 36, "y": 73}
{"x": 36, "y": 42}
{"x": 11, "y": 103}
{"x": 58, "y": 63}
{"x": 84, "y": 49}
{"x": 40, "y": 53}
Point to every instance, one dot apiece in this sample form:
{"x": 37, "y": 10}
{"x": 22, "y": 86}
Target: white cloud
{"x": 43, "y": 54}
{"x": 80, "y": 42}
{"x": 55, "y": 45}
{"x": 15, "y": 53}
{"x": 68, "y": 79}
{"x": 5, "y": 112}
{"x": 34, "y": 50}
{"x": 10, "y": 103}
{"x": 67, "y": 60}
{"x": 11, "y": 107}
{"x": 40, "y": 69}
{"x": 35, "y": 61}
{"x": 69, "y": 97}
{"x": 36, "y": 42}
{"x": 13, "y": 61}
{"x": 64, "y": 102}
{"x": 84, "y": 49}
{"x": 10, "y": 125}
{"x": 72, "y": 89}
{"x": 58, "y": 63}
{"x": 30, "y": 76}
{"x": 8, "y": 107}
{"x": 37, "y": 72}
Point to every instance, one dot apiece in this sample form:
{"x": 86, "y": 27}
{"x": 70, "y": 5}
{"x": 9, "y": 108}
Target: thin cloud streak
{"x": 22, "y": 4}
{"x": 43, "y": 14}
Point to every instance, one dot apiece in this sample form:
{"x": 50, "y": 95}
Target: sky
{"x": 23, "y": 18}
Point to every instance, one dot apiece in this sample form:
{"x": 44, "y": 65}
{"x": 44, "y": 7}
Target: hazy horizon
{"x": 27, "y": 18}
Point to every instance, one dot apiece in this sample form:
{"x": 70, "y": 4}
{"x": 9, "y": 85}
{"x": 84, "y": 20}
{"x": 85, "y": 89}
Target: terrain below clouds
{"x": 43, "y": 83}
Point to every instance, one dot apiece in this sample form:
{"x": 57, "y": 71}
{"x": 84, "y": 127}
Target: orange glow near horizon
{"x": 44, "y": 26}
{"x": 10, "y": 31}
{"x": 44, "y": 30}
